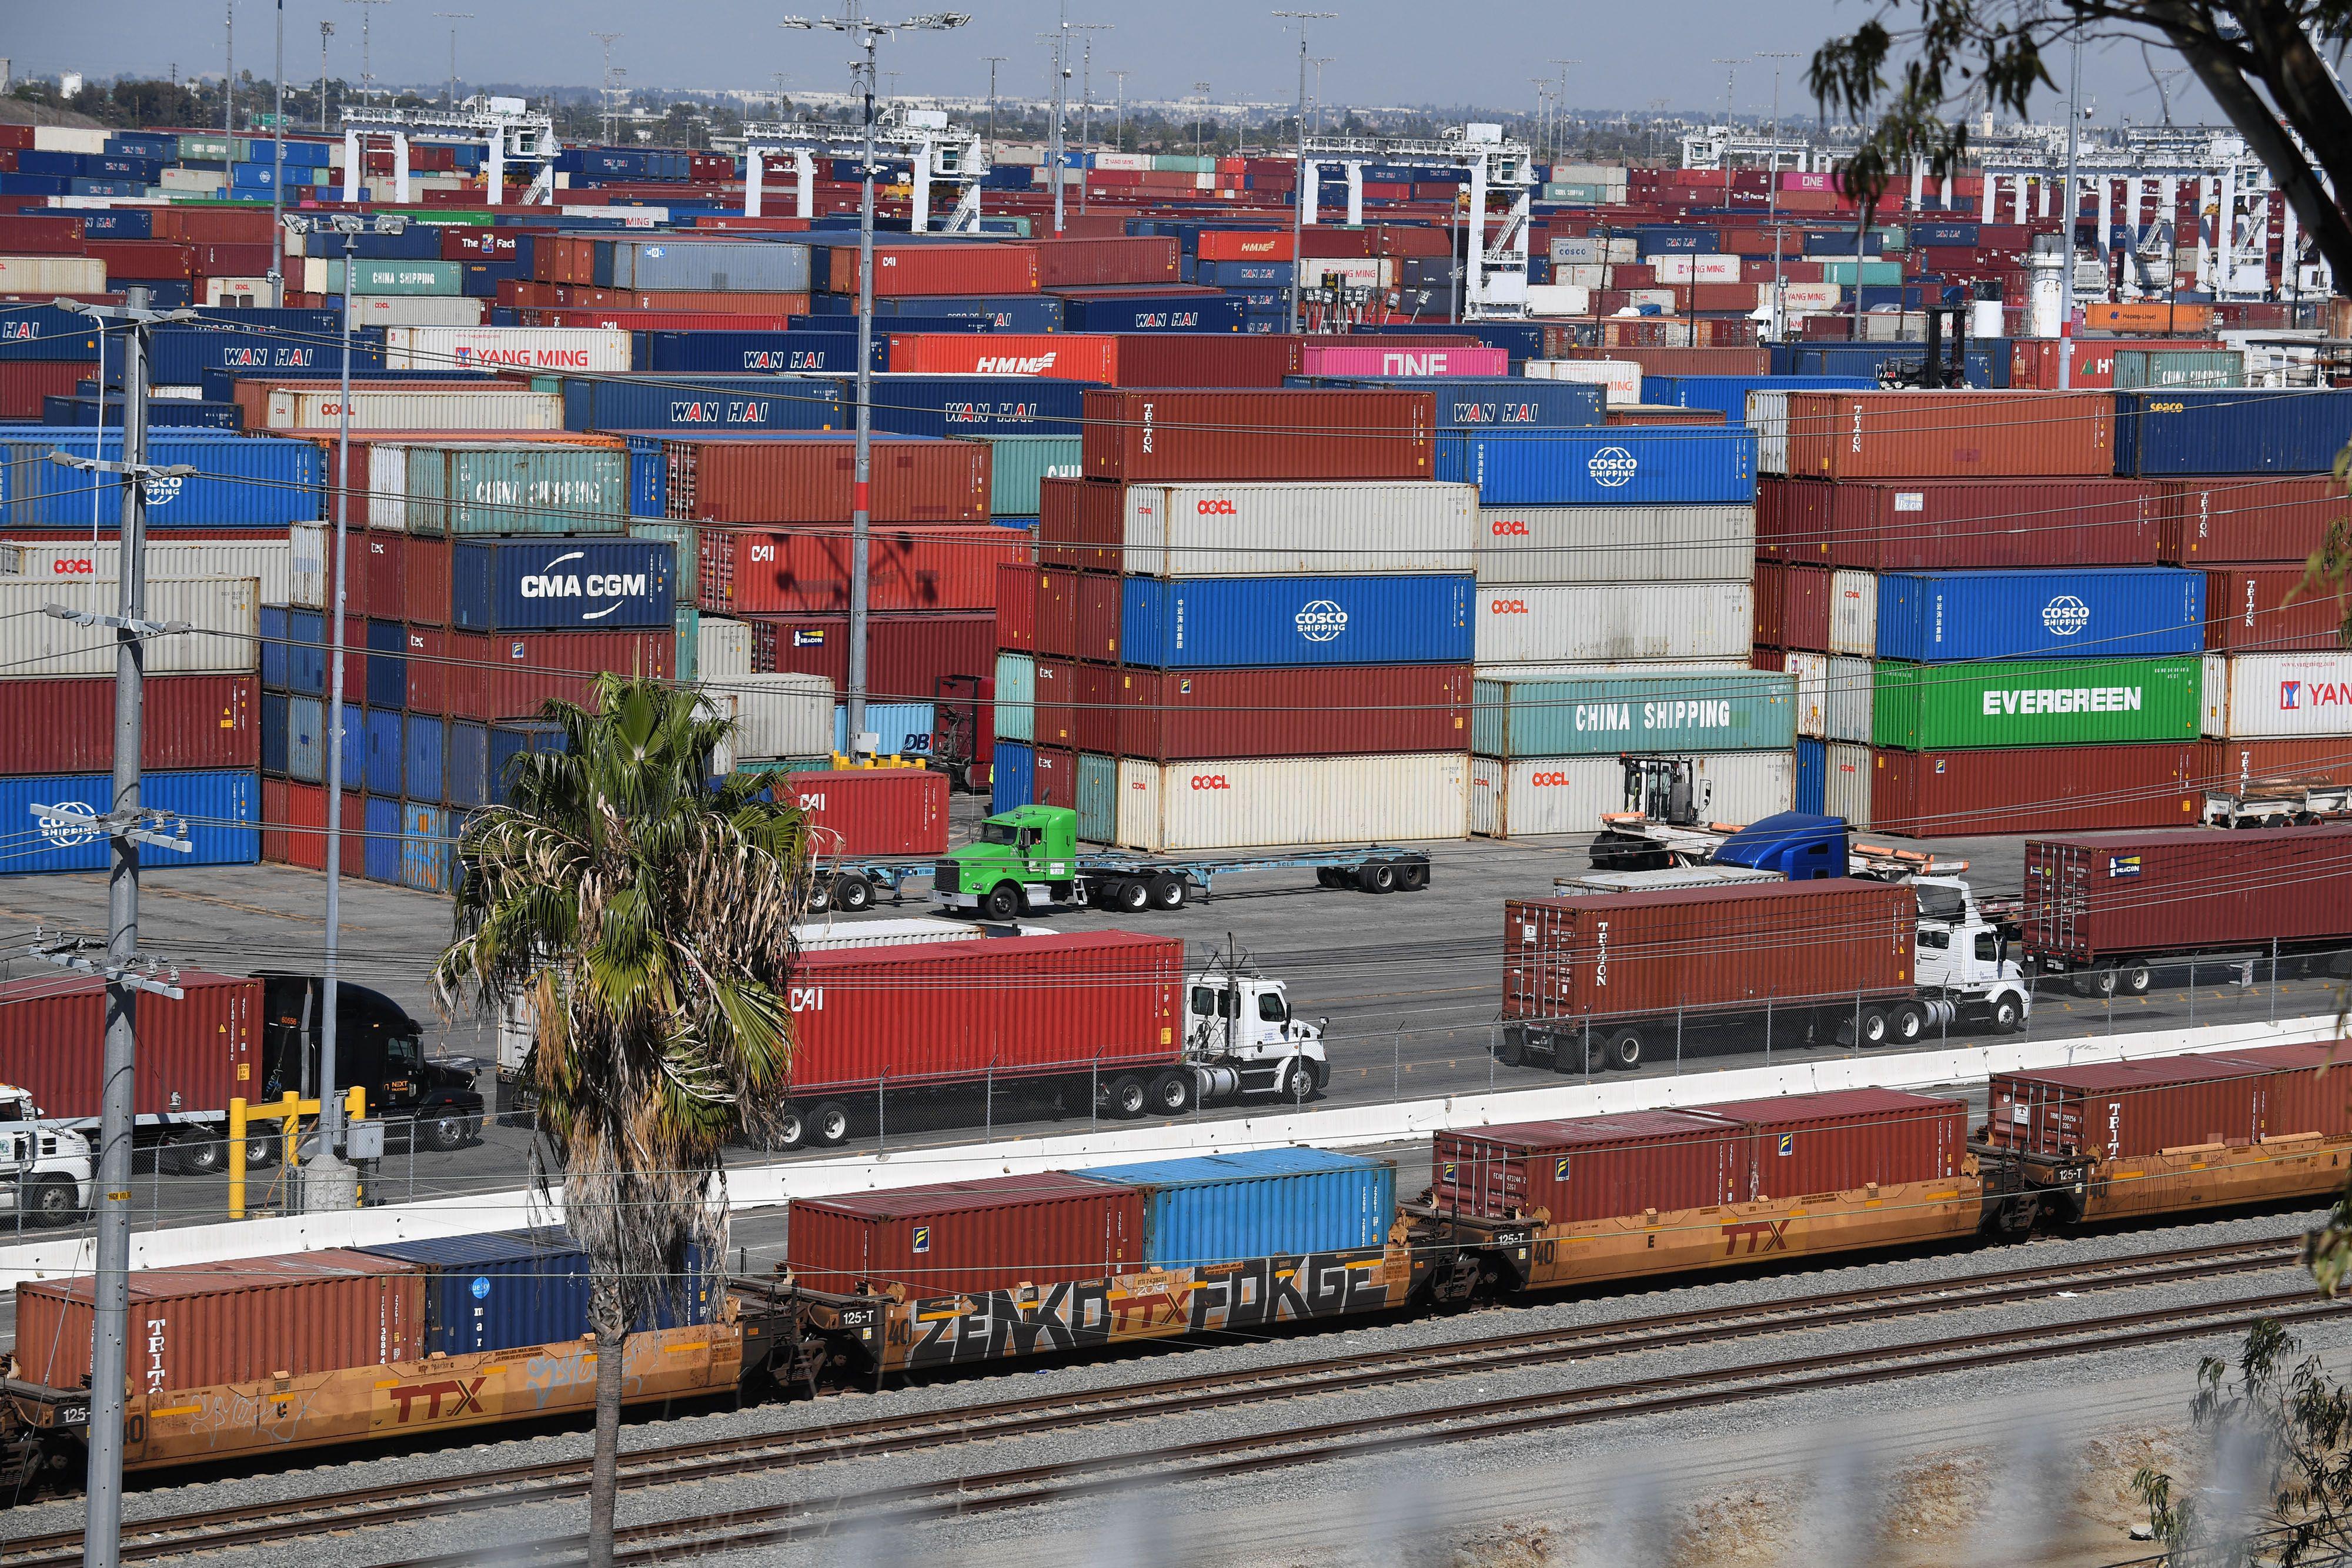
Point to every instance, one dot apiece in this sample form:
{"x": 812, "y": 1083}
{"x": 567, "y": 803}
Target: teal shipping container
{"x": 1017, "y": 463}
{"x": 428, "y": 849}
{"x": 398, "y": 276}
{"x": 683, "y": 536}
{"x": 2179, "y": 367}
{"x": 1580, "y": 711}
{"x": 1016, "y": 695}
{"x": 1267, "y": 1203}
{"x": 1097, "y": 798}
{"x": 517, "y": 489}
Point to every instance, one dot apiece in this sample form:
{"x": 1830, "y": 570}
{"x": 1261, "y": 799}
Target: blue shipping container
{"x": 1617, "y": 466}
{"x": 1153, "y": 313}
{"x": 428, "y": 859}
{"x": 89, "y": 411}
{"x": 1729, "y": 394}
{"x": 648, "y": 477}
{"x": 387, "y": 665}
{"x": 511, "y": 738}
{"x": 2087, "y": 612}
{"x": 307, "y": 653}
{"x": 383, "y": 753}
{"x": 273, "y": 732}
{"x": 424, "y": 744}
{"x": 241, "y": 481}
{"x": 995, "y": 313}
{"x": 2234, "y": 430}
{"x": 118, "y": 222}
{"x": 753, "y": 353}
{"x": 513, "y": 1289}
{"x": 1014, "y": 774}
{"x": 1812, "y": 775}
{"x": 902, "y": 729}
{"x": 572, "y": 584}
{"x": 183, "y": 355}
{"x": 1985, "y": 364}
{"x": 273, "y": 647}
{"x": 46, "y": 332}
{"x": 1267, "y": 1203}
{"x": 766, "y": 402}
{"x": 217, "y": 812}
{"x": 305, "y": 742}
{"x": 379, "y": 854}
{"x": 1206, "y": 623}
{"x": 466, "y": 763}
{"x": 976, "y": 405}
{"x": 1500, "y": 402}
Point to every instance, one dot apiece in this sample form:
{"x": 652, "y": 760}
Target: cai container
{"x": 2237, "y": 431}
{"x": 1614, "y": 466}
{"x": 1266, "y": 621}
{"x": 1258, "y": 1203}
{"x": 812, "y": 478}
{"x": 766, "y": 570}
{"x": 2248, "y": 611}
{"x": 186, "y": 721}
{"x": 1614, "y": 544}
{"x": 1553, "y": 623}
{"x": 535, "y": 584}
{"x": 1950, "y": 434}
{"x": 2091, "y": 611}
{"x": 1183, "y": 715}
{"x": 1900, "y": 525}
{"x": 217, "y": 810}
{"x": 1239, "y": 803}
{"x": 2045, "y": 702}
{"x": 1535, "y": 795}
{"x": 2228, "y": 520}
{"x": 1593, "y": 1167}
{"x": 872, "y": 812}
{"x": 2254, "y": 694}
{"x": 968, "y": 1237}
{"x": 1269, "y": 529}
{"x": 497, "y": 489}
{"x": 2073, "y": 788}
{"x": 1293, "y": 433}
{"x": 1573, "y": 712}
{"x": 240, "y": 481}
{"x": 194, "y": 1050}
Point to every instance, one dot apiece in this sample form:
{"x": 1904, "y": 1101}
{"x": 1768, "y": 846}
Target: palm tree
{"x": 647, "y": 916}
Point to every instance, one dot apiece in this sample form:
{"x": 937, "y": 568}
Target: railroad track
{"x": 408, "y": 1502}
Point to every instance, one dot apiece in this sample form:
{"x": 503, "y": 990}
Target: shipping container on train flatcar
{"x": 964, "y": 1238}
{"x": 1591, "y": 1168}
{"x": 1258, "y": 1203}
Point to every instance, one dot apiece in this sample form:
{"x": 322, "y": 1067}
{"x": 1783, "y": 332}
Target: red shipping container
{"x": 906, "y": 656}
{"x": 1240, "y": 244}
{"x": 2094, "y": 898}
{"x": 247, "y": 1320}
{"x": 1936, "y": 524}
{"x": 427, "y": 686}
{"x": 759, "y": 570}
{"x": 1098, "y": 618}
{"x": 1198, "y": 716}
{"x": 812, "y": 478}
{"x": 968, "y": 1237}
{"x": 227, "y": 225}
{"x": 2229, "y": 519}
{"x": 1950, "y": 434}
{"x": 2306, "y": 1093}
{"x": 2233, "y": 764}
{"x": 194, "y": 1054}
{"x": 187, "y": 721}
{"x": 1057, "y": 614}
{"x": 379, "y": 568}
{"x": 425, "y": 582}
{"x": 1792, "y": 606}
{"x": 2247, "y": 611}
{"x": 300, "y": 837}
{"x": 1054, "y": 782}
{"x": 25, "y": 383}
{"x": 1081, "y": 525}
{"x": 509, "y": 675}
{"x": 1064, "y": 356}
{"x": 1054, "y": 688}
{"x": 1068, "y": 263}
{"x": 1293, "y": 433}
{"x": 1016, "y": 607}
{"x": 873, "y": 811}
{"x": 1661, "y": 414}
{"x": 1595, "y": 1168}
{"x": 1801, "y": 1144}
{"x": 143, "y": 258}
{"x": 2121, "y": 1110}
{"x": 1326, "y": 240}
{"x": 917, "y": 269}
{"x": 40, "y": 234}
{"x": 2035, "y": 790}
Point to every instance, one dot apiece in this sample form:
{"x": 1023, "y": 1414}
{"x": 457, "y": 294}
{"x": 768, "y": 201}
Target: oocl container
{"x": 405, "y": 408}
{"x": 1614, "y": 544}
{"x": 1264, "y": 529}
{"x": 873, "y": 811}
{"x": 1212, "y": 622}
{"x": 603, "y": 584}
{"x": 1183, "y": 716}
{"x": 759, "y": 570}
{"x": 2095, "y": 612}
{"x": 968, "y": 1237}
{"x": 1259, "y": 1203}
{"x": 1568, "y": 712}
{"x": 269, "y": 562}
{"x": 1293, "y": 433}
{"x": 812, "y": 478}
{"x": 2050, "y": 701}
{"x": 1532, "y": 795}
{"x": 2232, "y": 519}
{"x": 1538, "y": 623}
{"x": 1629, "y": 465}
{"x": 1931, "y": 794}
{"x": 1594, "y": 1167}
{"x": 1241, "y": 804}
{"x": 2255, "y": 695}
{"x": 2237, "y": 431}
{"x": 1949, "y": 434}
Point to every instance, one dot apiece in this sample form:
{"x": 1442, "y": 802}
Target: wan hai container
{"x": 1539, "y": 795}
{"x": 1330, "y": 529}
{"x": 2085, "y": 702}
{"x": 1261, "y": 1203}
{"x": 1539, "y": 623}
{"x": 2103, "y": 613}
{"x": 1614, "y": 544}
{"x": 1264, "y": 621}
{"x": 1580, "y": 711}
{"x": 1241, "y": 804}
{"x": 1949, "y": 434}
{"x": 2255, "y": 695}
{"x": 1622, "y": 465}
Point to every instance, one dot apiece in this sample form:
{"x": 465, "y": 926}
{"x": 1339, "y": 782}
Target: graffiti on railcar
{"x": 1264, "y": 1290}
{"x": 991, "y": 1324}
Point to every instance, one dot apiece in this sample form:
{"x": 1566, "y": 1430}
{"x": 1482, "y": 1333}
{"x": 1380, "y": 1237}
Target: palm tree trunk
{"x": 604, "y": 1477}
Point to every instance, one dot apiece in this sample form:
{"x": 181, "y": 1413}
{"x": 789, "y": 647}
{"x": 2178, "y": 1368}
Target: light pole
{"x": 1200, "y": 91}
{"x": 866, "y": 35}
{"x": 2074, "y": 209}
{"x": 1320, "y": 61}
{"x": 1118, "y": 126}
{"x": 1560, "y": 103}
{"x": 367, "y": 59}
{"x": 1543, "y": 110}
{"x": 1298, "y": 185}
{"x": 1730, "y": 76}
{"x": 993, "y": 61}
{"x": 1777, "y": 324}
{"x": 453, "y": 18}
{"x": 608, "y": 40}
{"x": 228, "y": 72}
{"x": 326, "y": 31}
{"x": 1086, "y": 101}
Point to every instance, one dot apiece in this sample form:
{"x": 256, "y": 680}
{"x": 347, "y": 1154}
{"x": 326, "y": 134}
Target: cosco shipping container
{"x": 1245, "y": 803}
{"x": 1211, "y": 622}
{"x": 240, "y": 481}
{"x": 2239, "y": 430}
{"x": 2088, "y": 612}
{"x": 2051, "y": 702}
{"x": 1615, "y": 466}
{"x": 1537, "y": 712}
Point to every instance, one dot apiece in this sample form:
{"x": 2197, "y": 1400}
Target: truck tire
{"x": 1413, "y": 876}
{"x": 1126, "y": 1098}
{"x": 1174, "y": 1091}
{"x": 852, "y": 892}
{"x": 1170, "y": 892}
{"x": 828, "y": 1125}
{"x": 1129, "y": 897}
{"x": 52, "y": 1202}
{"x": 1511, "y": 1050}
{"x": 820, "y": 897}
{"x": 1623, "y": 1051}
{"x": 2095, "y": 983}
{"x": 2133, "y": 978}
{"x": 791, "y": 1128}
{"x": 1376, "y": 876}
{"x": 445, "y": 1134}
{"x": 1905, "y": 1022}
{"x": 2004, "y": 1016}
{"x": 1002, "y": 902}
{"x": 1867, "y": 1028}
{"x": 1297, "y": 1082}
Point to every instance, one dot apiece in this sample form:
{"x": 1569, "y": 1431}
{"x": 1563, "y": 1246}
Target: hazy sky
{"x": 1382, "y": 51}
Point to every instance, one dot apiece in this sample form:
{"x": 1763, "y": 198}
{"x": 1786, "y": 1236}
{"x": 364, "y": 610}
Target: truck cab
{"x": 45, "y": 1168}
{"x": 1966, "y": 957}
{"x": 378, "y": 1048}
{"x": 1024, "y": 859}
{"x": 1241, "y": 1038}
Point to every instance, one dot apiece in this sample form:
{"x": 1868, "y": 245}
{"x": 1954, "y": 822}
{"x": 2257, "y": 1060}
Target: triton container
{"x": 1910, "y": 524}
{"x": 1949, "y": 434}
{"x": 2231, "y": 518}
{"x": 966, "y": 1238}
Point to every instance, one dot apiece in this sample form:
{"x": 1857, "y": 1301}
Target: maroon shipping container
{"x": 2118, "y": 1110}
{"x": 1081, "y": 525}
{"x": 428, "y": 686}
{"x": 1214, "y": 358}
{"x": 2234, "y": 764}
{"x": 813, "y": 479}
{"x": 1095, "y": 263}
{"x": 906, "y": 656}
{"x": 1707, "y": 950}
{"x": 2098, "y": 898}
{"x": 424, "y": 586}
{"x": 2247, "y": 611}
{"x": 764, "y": 570}
{"x": 1057, "y": 614}
{"x": 509, "y": 674}
{"x": 2242, "y": 518}
{"x": 379, "y": 571}
{"x": 1187, "y": 716}
{"x": 901, "y": 269}
{"x": 294, "y": 827}
{"x": 968, "y": 1237}
{"x": 1950, "y": 434}
{"x": 191, "y": 721}
{"x": 2037, "y": 790}
{"x": 1939, "y": 523}
{"x": 39, "y": 234}
{"x": 1098, "y": 617}
{"x": 1661, "y": 413}
{"x": 1294, "y": 433}
{"x": 245, "y": 1321}
{"x": 1594, "y": 1167}
{"x": 143, "y": 258}
{"x": 23, "y": 383}
{"x": 195, "y": 1055}
{"x": 2308, "y": 1092}
{"x": 873, "y": 811}
{"x": 1053, "y": 689}
{"x": 1800, "y": 1145}
{"x": 1056, "y": 781}
{"x": 1792, "y": 606}
{"x": 1016, "y": 607}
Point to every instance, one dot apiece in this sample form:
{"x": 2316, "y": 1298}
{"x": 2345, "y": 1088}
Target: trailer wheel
{"x": 852, "y": 892}
{"x": 1170, "y": 892}
{"x": 1330, "y": 876}
{"x": 1623, "y": 1051}
{"x": 1413, "y": 876}
{"x": 2133, "y": 979}
{"x": 1127, "y": 1098}
{"x": 1002, "y": 902}
{"x": 1905, "y": 1022}
{"x": 51, "y": 1202}
{"x": 1130, "y": 897}
{"x": 2006, "y": 1015}
{"x": 791, "y": 1128}
{"x": 828, "y": 1125}
{"x": 2095, "y": 983}
{"x": 1511, "y": 1050}
{"x": 1173, "y": 1091}
{"x": 820, "y": 897}
{"x": 1376, "y": 876}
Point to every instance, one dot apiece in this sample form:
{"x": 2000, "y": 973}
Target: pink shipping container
{"x": 1797, "y": 1145}
{"x": 968, "y": 1237}
{"x": 1293, "y": 433}
{"x": 873, "y": 811}
{"x": 1595, "y": 1168}
{"x": 195, "y": 1055}
{"x": 2247, "y": 611}
{"x": 813, "y": 479}
{"x": 755, "y": 570}
{"x": 206, "y": 1324}
{"x": 189, "y": 721}
{"x": 2113, "y": 1110}
{"x": 1406, "y": 359}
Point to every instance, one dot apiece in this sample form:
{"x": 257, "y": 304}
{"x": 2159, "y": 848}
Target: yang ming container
{"x": 2253, "y": 694}
{"x": 1260, "y": 1203}
{"x": 2048, "y": 702}
{"x": 2074, "y": 789}
{"x": 1614, "y": 466}
{"x": 1537, "y": 623}
{"x": 2237, "y": 431}
{"x": 595, "y": 584}
{"x": 1614, "y": 544}
{"x": 225, "y": 609}
{"x": 967, "y": 1238}
{"x": 1535, "y": 795}
{"x": 1570, "y": 712}
{"x": 1594, "y": 1167}
{"x": 1210, "y": 621}
{"x": 2103, "y": 612}
{"x": 1949, "y": 434}
{"x": 1180, "y": 715}
{"x": 1243, "y": 804}
{"x": 1258, "y": 434}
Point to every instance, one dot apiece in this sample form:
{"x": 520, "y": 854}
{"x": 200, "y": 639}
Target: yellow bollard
{"x": 289, "y": 1123}
{"x": 237, "y": 1159}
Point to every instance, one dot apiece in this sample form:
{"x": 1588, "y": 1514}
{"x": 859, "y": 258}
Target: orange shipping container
{"x": 1949, "y": 434}
{"x": 2159, "y": 317}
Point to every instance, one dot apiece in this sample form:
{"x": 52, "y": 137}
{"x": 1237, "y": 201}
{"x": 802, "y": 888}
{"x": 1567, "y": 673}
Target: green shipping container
{"x": 1873, "y": 272}
{"x": 689, "y": 636}
{"x": 1570, "y": 713}
{"x": 688, "y": 549}
{"x": 518, "y": 490}
{"x": 2179, "y": 367}
{"x": 1097, "y": 798}
{"x": 398, "y": 276}
{"x": 1018, "y": 462}
{"x": 215, "y": 150}
{"x": 1181, "y": 164}
{"x": 1016, "y": 697}
{"x": 2079, "y": 702}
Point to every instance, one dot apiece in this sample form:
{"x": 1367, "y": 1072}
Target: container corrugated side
{"x": 872, "y": 812}
{"x": 1809, "y": 672}
{"x": 2093, "y": 612}
{"x": 517, "y": 489}
{"x": 969, "y": 1237}
{"x": 1218, "y": 622}
{"x": 1261, "y": 1203}
{"x": 221, "y": 810}
{"x": 194, "y": 1050}
{"x": 1243, "y": 804}
{"x": 2185, "y": 889}
{"x": 1911, "y": 524}
{"x": 1925, "y": 794}
{"x": 2123, "y": 1110}
{"x": 499, "y": 585}
{"x": 1537, "y": 795}
{"x": 1016, "y": 691}
{"x": 1315, "y": 711}
{"x": 1329, "y": 529}
{"x": 1569, "y": 712}
{"x": 2257, "y": 695}
{"x": 1614, "y": 544}
{"x": 1844, "y": 1141}
{"x": 1293, "y": 433}
{"x": 287, "y": 408}
{"x": 1537, "y": 623}
{"x": 508, "y": 1289}
{"x": 2050, "y": 701}
{"x": 1017, "y": 463}
{"x": 2236, "y": 431}
{"x": 186, "y": 721}
{"x": 585, "y": 350}
{"x": 267, "y": 561}
{"x": 2265, "y": 609}
{"x": 1949, "y": 434}
{"x": 786, "y": 715}
{"x": 1593, "y": 1167}
{"x": 2228, "y": 520}
{"x": 240, "y": 481}
{"x": 1628, "y": 465}
{"x": 812, "y": 478}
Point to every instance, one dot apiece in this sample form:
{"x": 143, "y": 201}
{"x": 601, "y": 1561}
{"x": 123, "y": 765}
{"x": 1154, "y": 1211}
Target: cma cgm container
{"x": 532, "y": 584}
{"x": 968, "y": 1237}
{"x": 219, "y": 810}
{"x": 2243, "y": 519}
{"x": 193, "y": 1053}
{"x": 810, "y": 477}
{"x": 873, "y": 811}
{"x": 1241, "y": 803}
{"x": 2235, "y": 431}
{"x": 1263, "y": 530}
{"x": 1949, "y": 434}
{"x": 1186, "y": 716}
{"x": 1594, "y": 1167}
{"x": 1553, "y": 623}
{"x": 1566, "y": 712}
{"x": 2095, "y": 611}
{"x": 2073, "y": 788}
{"x": 1212, "y": 622}
{"x": 2247, "y": 611}
{"x": 2101, "y": 901}
{"x": 1259, "y": 1203}
{"x": 1615, "y": 466}
{"x": 2123, "y": 1110}
{"x": 1844, "y": 1141}
{"x": 2050, "y": 701}
{"x": 2255, "y": 695}
{"x": 1904, "y": 525}
{"x": 765, "y": 572}
{"x": 186, "y": 721}
{"x": 1293, "y": 433}
{"x": 240, "y": 481}
{"x": 1614, "y": 544}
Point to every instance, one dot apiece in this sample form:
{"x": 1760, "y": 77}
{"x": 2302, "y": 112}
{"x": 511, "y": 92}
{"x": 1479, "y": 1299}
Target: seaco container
{"x": 1293, "y": 433}
{"x": 2125, "y": 1110}
{"x": 2087, "y": 612}
{"x": 1900, "y": 525}
{"x": 1284, "y": 1203}
{"x": 1710, "y": 950}
{"x": 1842, "y": 1142}
{"x": 2185, "y": 889}
{"x": 2074, "y": 789}
{"x": 1949, "y": 434}
{"x": 240, "y": 481}
{"x": 1259, "y": 529}
{"x": 507, "y": 1290}
{"x": 1211, "y": 622}
{"x": 2234, "y": 431}
{"x": 2232, "y": 519}
{"x": 1615, "y": 466}
{"x": 246, "y": 1320}
{"x": 1540, "y": 623}
{"x": 1593, "y": 1167}
{"x": 1570, "y": 712}
{"x": 812, "y": 478}
{"x": 1187, "y": 716}
{"x": 873, "y": 811}
{"x": 968, "y": 1237}
{"x": 765, "y": 572}
{"x": 2257, "y": 695}
{"x": 2049, "y": 702}
{"x": 1239, "y": 803}
{"x": 1614, "y": 544}
{"x": 194, "y": 1053}
{"x": 219, "y": 810}
{"x": 186, "y": 722}
{"x": 545, "y": 584}
{"x": 2266, "y": 610}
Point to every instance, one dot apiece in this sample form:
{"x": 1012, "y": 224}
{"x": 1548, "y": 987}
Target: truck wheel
{"x": 52, "y": 1203}
{"x": 1170, "y": 892}
{"x": 1298, "y": 1082}
{"x": 2005, "y": 1016}
{"x": 820, "y": 898}
{"x": 1414, "y": 876}
{"x": 443, "y": 1134}
{"x": 852, "y": 892}
{"x": 2133, "y": 979}
{"x": 828, "y": 1125}
{"x": 1905, "y": 1022}
{"x": 1868, "y": 1027}
{"x": 261, "y": 1150}
{"x": 199, "y": 1153}
{"x": 1376, "y": 876}
{"x": 1003, "y": 902}
{"x": 1172, "y": 1091}
{"x": 1130, "y": 897}
{"x": 1127, "y": 1098}
{"x": 791, "y": 1128}
{"x": 2095, "y": 983}
{"x": 1623, "y": 1051}
{"x": 1511, "y": 1050}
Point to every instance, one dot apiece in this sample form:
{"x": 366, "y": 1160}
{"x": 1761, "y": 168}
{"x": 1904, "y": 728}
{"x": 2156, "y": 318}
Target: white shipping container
{"x": 723, "y": 652}
{"x": 1812, "y": 674}
{"x": 1768, "y": 416}
{"x": 1128, "y": 160}
{"x": 2256, "y": 694}
{"x": 47, "y": 274}
{"x": 198, "y": 182}
{"x": 779, "y": 714}
{"x": 1851, "y": 684}
{"x": 413, "y": 408}
{"x": 1537, "y": 795}
{"x": 267, "y": 561}
{"x": 1577, "y": 624}
{"x": 69, "y": 138}
{"x": 387, "y": 488}
{"x": 1369, "y": 272}
{"x": 1854, "y": 612}
{"x": 1292, "y": 801}
{"x": 1813, "y": 298}
{"x": 418, "y": 310}
{"x": 1663, "y": 298}
{"x": 588, "y": 349}
{"x": 244, "y": 293}
{"x": 225, "y": 611}
{"x": 1673, "y": 268}
{"x": 1297, "y": 529}
{"x": 1583, "y": 274}
{"x": 1621, "y": 378}
{"x": 1615, "y": 544}
{"x": 1559, "y": 299}
{"x": 1715, "y": 270}
{"x": 1576, "y": 250}
{"x": 1845, "y": 782}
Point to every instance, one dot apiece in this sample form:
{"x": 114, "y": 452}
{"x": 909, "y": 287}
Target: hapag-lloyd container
{"x": 1900, "y": 525}
{"x": 1182, "y": 716}
{"x": 873, "y": 811}
{"x": 603, "y": 584}
{"x": 186, "y": 721}
{"x": 1538, "y": 795}
{"x": 2095, "y": 612}
{"x": 759, "y": 570}
{"x": 2247, "y": 611}
{"x": 2255, "y": 695}
{"x": 1211, "y": 622}
{"x": 1594, "y": 1167}
{"x": 1291, "y": 434}
{"x": 2230, "y": 519}
{"x": 1626, "y": 544}
{"x": 240, "y": 481}
{"x": 267, "y": 561}
{"x": 2239, "y": 430}
{"x": 405, "y": 408}
{"x": 1402, "y": 360}
{"x": 968, "y": 1237}
{"x": 226, "y": 611}
{"x": 1243, "y": 804}
{"x": 2051, "y": 702}
{"x": 2075, "y": 789}
{"x": 1612, "y": 466}
{"x": 1583, "y": 711}
{"x": 1269, "y": 530}
{"x": 583, "y": 350}
{"x": 193, "y": 1053}
{"x": 524, "y": 489}
{"x": 1949, "y": 434}
{"x": 1537, "y": 624}
{"x": 1258, "y": 1203}
{"x": 810, "y": 477}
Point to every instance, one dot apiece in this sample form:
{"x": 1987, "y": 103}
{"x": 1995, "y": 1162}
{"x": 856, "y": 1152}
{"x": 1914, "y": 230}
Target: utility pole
{"x": 1086, "y": 101}
{"x": 277, "y": 173}
{"x": 993, "y": 61}
{"x": 1298, "y": 189}
{"x": 1543, "y": 111}
{"x": 326, "y": 31}
{"x": 608, "y": 40}
{"x": 228, "y": 72}
{"x": 453, "y": 18}
{"x": 2073, "y": 207}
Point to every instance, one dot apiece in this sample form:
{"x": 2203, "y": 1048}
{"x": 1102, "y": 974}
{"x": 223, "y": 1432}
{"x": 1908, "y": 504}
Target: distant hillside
{"x": 17, "y": 111}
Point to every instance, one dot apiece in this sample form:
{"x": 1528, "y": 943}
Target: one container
{"x": 968, "y": 1237}
{"x": 1537, "y": 624}
{"x": 1262, "y": 621}
{"x": 585, "y": 350}
{"x": 1949, "y": 434}
{"x": 1171, "y": 716}
{"x": 1282, "y": 1203}
{"x": 217, "y": 810}
{"x": 1018, "y": 465}
{"x": 2093, "y": 612}
{"x": 1269, "y": 530}
{"x": 1846, "y": 780}
{"x": 1569, "y": 712}
{"x": 2231, "y": 519}
{"x": 1846, "y": 1141}
{"x": 1935, "y": 793}
{"x": 1241, "y": 804}
{"x": 1537, "y": 795}
{"x": 240, "y": 481}
{"x": 33, "y": 645}
{"x": 807, "y": 477}
{"x": 873, "y": 811}
{"x": 427, "y": 848}
{"x": 1258, "y": 434}
{"x": 1594, "y": 1167}
{"x": 1897, "y": 525}
{"x": 605, "y": 585}
{"x": 2046, "y": 702}
{"x": 1614, "y": 544}
{"x": 186, "y": 721}
{"x": 2237, "y": 431}
{"x": 2123, "y": 1110}
{"x": 1626, "y": 465}
{"x": 2099, "y": 895}
{"x": 2255, "y": 695}
{"x": 2268, "y": 610}
{"x": 1379, "y": 360}
{"x": 754, "y": 571}
{"x": 193, "y": 1051}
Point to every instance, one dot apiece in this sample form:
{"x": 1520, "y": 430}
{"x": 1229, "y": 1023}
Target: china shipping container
{"x": 1898, "y": 525}
{"x": 2124, "y": 1110}
{"x": 905, "y": 655}
{"x": 490, "y": 488}
{"x": 1614, "y": 544}
{"x": 873, "y": 811}
{"x": 1016, "y": 696}
{"x": 591, "y": 584}
{"x": 1593, "y": 1167}
{"x": 2234, "y": 431}
{"x": 2071, "y": 789}
{"x": 219, "y": 808}
{"x": 2098, "y": 898}
{"x": 2102, "y": 611}
{"x": 187, "y": 722}
{"x": 1258, "y": 1203}
{"x": 1240, "y": 803}
{"x": 1949, "y": 434}
{"x": 1170, "y": 716}
{"x": 1526, "y": 796}
{"x": 2248, "y": 611}
{"x": 1562, "y": 713}
{"x": 246, "y": 1320}
{"x": 797, "y": 571}
{"x": 810, "y": 478}
{"x": 2255, "y": 695}
{"x": 966, "y": 1238}
{"x": 1553, "y": 624}
{"x": 1258, "y": 434}
{"x": 1232, "y": 620}
{"x": 509, "y": 674}
{"x": 1842, "y": 1142}
{"x": 2230, "y": 519}
{"x": 1607, "y": 466}
{"x": 240, "y": 481}
{"x": 2047, "y": 702}
{"x": 196, "y": 1053}
{"x": 1259, "y": 529}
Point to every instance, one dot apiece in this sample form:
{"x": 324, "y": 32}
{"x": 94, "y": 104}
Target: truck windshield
{"x": 1000, "y": 833}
